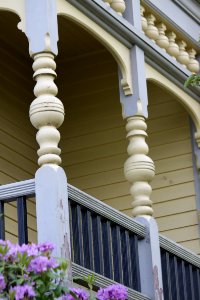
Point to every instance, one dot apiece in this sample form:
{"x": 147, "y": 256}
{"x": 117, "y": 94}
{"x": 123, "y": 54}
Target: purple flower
{"x": 3, "y": 243}
{"x": 13, "y": 250}
{"x": 2, "y": 283}
{"x": 23, "y": 291}
{"x": 46, "y": 247}
{"x": 31, "y": 250}
{"x": 42, "y": 264}
{"x": 112, "y": 292}
{"x": 80, "y": 293}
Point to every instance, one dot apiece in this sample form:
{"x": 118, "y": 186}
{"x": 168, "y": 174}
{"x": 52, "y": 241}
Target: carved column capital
{"x": 46, "y": 111}
{"x": 139, "y": 168}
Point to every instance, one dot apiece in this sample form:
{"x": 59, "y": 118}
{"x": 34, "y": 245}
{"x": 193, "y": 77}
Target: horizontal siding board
{"x": 183, "y": 234}
{"x": 174, "y": 207}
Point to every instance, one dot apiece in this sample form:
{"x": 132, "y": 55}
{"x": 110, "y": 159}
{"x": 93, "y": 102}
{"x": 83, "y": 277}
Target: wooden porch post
{"x": 139, "y": 168}
{"x": 47, "y": 115}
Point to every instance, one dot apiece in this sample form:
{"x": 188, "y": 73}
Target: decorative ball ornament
{"x": 143, "y": 19}
{"x": 152, "y": 30}
{"x": 162, "y": 41}
{"x": 108, "y": 2}
{"x": 193, "y": 65}
{"x": 119, "y": 6}
{"x": 173, "y": 48}
{"x": 183, "y": 56}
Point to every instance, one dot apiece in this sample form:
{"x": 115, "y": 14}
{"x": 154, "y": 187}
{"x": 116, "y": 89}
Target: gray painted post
{"x": 52, "y": 209}
{"x": 41, "y": 26}
{"x": 132, "y": 13}
{"x": 150, "y": 260}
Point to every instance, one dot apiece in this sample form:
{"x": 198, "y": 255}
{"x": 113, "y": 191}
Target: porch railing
{"x": 16, "y": 192}
{"x": 105, "y": 241}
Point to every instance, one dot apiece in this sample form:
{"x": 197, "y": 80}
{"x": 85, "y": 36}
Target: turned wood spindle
{"x": 183, "y": 56}
{"x": 143, "y": 19}
{"x": 193, "y": 65}
{"x": 162, "y": 41}
{"x": 173, "y": 48}
{"x": 119, "y": 6}
{"x": 139, "y": 168}
{"x": 152, "y": 30}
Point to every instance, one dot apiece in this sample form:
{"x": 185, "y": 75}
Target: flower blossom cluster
{"x": 27, "y": 269}
{"x": 112, "y": 292}
{"x": 29, "y": 272}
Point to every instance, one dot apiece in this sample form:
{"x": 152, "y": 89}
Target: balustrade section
{"x": 169, "y": 40}
{"x": 164, "y": 35}
{"x": 103, "y": 240}
{"x": 180, "y": 271}
{"x": 17, "y": 194}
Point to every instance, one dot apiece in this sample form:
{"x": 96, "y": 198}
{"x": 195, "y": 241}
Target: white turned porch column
{"x": 46, "y": 111}
{"x": 139, "y": 168}
{"x": 47, "y": 115}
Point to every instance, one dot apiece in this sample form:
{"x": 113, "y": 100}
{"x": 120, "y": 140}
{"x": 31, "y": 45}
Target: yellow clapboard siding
{"x": 90, "y": 140}
{"x": 11, "y": 212}
{"x": 11, "y": 227}
{"x": 177, "y": 221}
{"x": 99, "y": 179}
{"x": 96, "y": 166}
{"x": 172, "y": 178}
{"x": 163, "y": 109}
{"x": 122, "y": 203}
{"x": 173, "y": 192}
{"x": 168, "y": 136}
{"x": 176, "y": 207}
{"x": 168, "y": 150}
{"x": 167, "y": 122}
{"x": 173, "y": 163}
{"x": 194, "y": 245}
{"x": 94, "y": 153}
{"x": 109, "y": 191}
{"x": 183, "y": 234}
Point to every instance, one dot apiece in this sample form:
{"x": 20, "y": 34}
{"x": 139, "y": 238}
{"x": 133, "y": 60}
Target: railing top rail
{"x": 179, "y": 251}
{"x": 101, "y": 281}
{"x": 10, "y": 191}
{"x": 106, "y": 210}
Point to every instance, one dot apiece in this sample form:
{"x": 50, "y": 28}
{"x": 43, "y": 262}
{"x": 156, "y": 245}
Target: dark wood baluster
{"x": 107, "y": 249}
{"x": 135, "y": 262}
{"x": 97, "y": 244}
{"x": 117, "y": 254}
{"x": 87, "y": 240}
{"x": 2, "y": 221}
{"x": 22, "y": 220}
{"x": 77, "y": 235}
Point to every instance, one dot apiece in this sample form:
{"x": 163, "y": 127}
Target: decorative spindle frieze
{"x": 166, "y": 39}
{"x": 119, "y": 6}
{"x": 162, "y": 40}
{"x": 152, "y": 30}
{"x": 108, "y": 2}
{"x": 46, "y": 111}
{"x": 193, "y": 65}
{"x": 183, "y": 56}
{"x": 143, "y": 19}
{"x": 173, "y": 48}
{"x": 139, "y": 168}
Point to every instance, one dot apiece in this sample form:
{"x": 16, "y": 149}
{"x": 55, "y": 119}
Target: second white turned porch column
{"x": 139, "y": 168}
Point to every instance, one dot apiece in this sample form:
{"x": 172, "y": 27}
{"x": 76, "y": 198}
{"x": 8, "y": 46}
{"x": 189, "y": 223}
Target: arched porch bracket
{"x": 191, "y": 105}
{"x": 120, "y": 52}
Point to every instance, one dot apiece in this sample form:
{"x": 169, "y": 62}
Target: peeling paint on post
{"x": 53, "y": 211}
{"x": 150, "y": 260}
